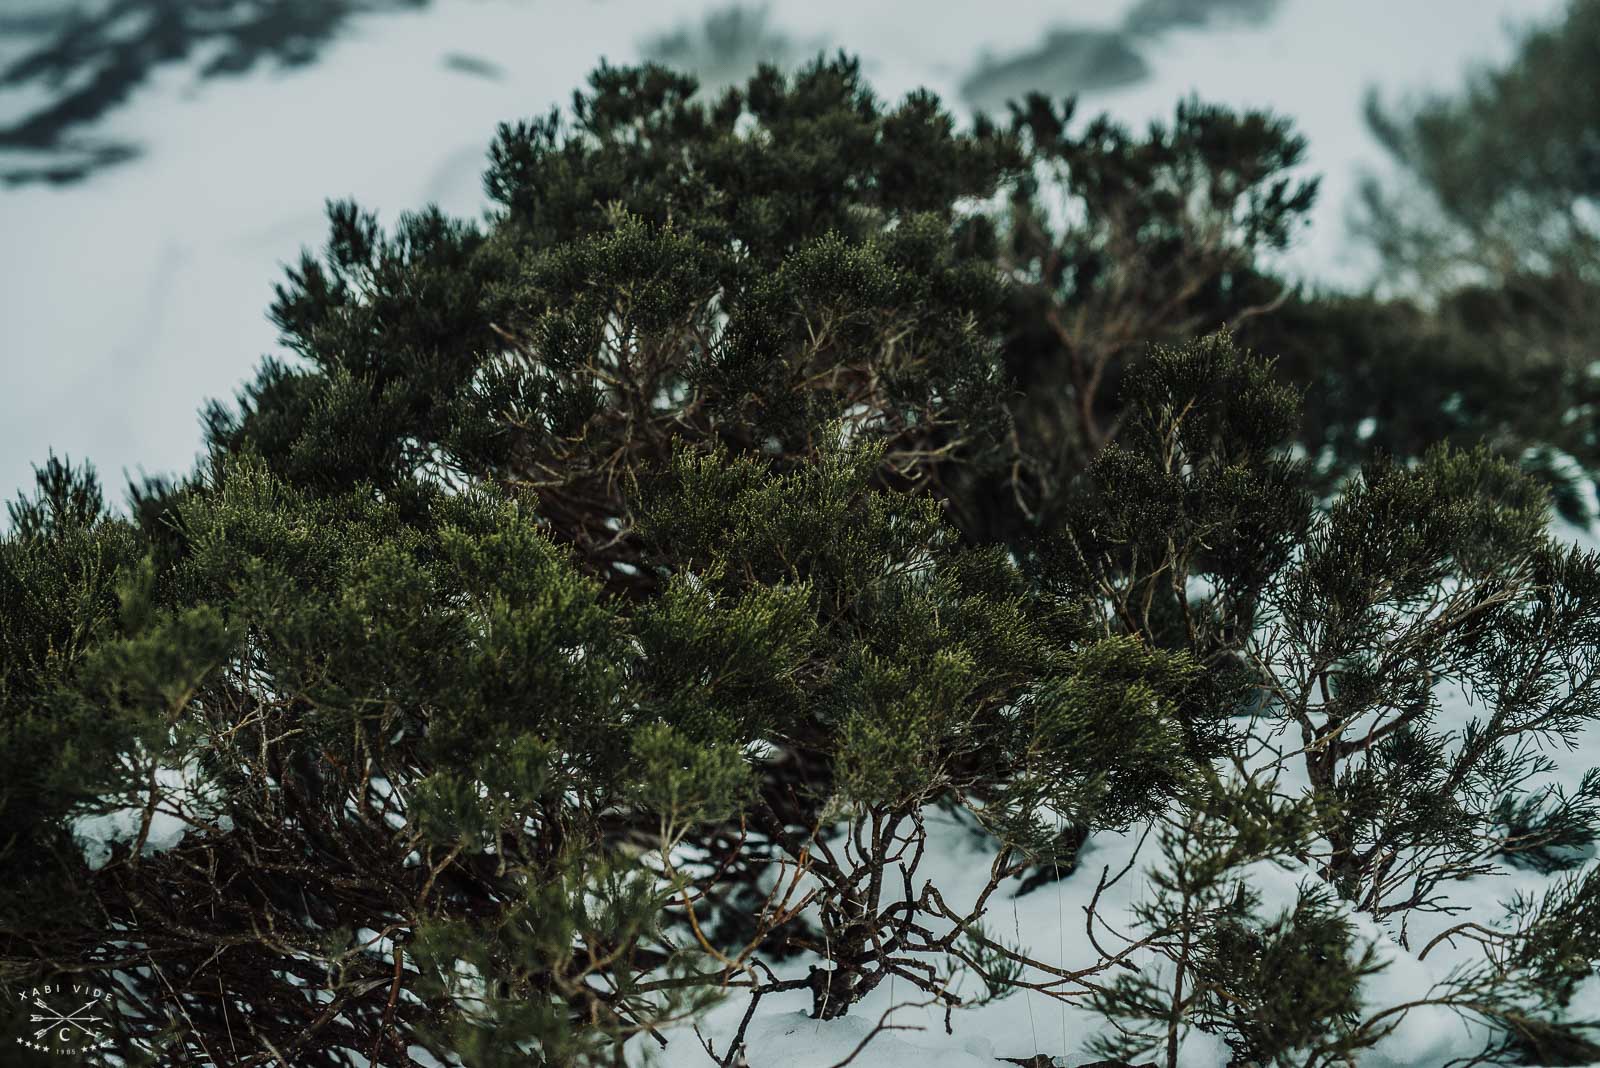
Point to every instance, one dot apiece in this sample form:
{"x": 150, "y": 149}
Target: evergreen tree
{"x": 1159, "y": 239}
{"x": 749, "y": 271}
{"x": 586, "y": 625}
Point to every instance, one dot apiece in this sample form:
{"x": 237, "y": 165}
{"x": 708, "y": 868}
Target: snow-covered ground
{"x": 128, "y": 299}
{"x": 1048, "y": 924}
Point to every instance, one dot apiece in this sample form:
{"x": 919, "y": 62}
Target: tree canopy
{"x": 587, "y": 616}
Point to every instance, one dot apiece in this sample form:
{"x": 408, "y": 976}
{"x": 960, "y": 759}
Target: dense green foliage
{"x": 586, "y": 620}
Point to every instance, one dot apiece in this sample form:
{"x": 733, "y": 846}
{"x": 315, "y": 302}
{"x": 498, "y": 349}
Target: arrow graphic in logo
{"x": 57, "y": 1019}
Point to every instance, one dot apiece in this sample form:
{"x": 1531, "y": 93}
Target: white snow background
{"x": 128, "y": 299}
